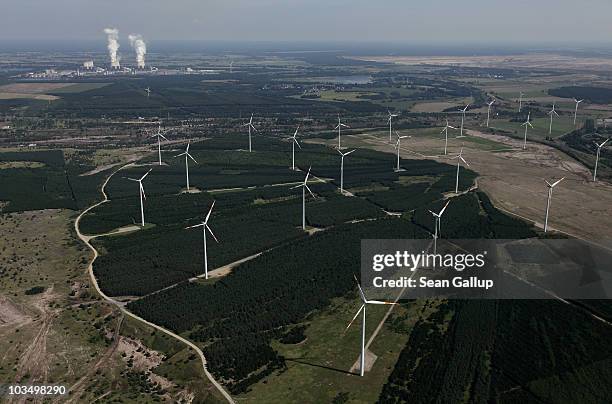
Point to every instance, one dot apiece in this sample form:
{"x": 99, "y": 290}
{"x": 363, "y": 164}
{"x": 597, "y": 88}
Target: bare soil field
{"x": 544, "y": 61}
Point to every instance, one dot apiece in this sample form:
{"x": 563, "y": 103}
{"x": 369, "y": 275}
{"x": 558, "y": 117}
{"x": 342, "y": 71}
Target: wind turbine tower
{"x": 390, "y": 121}
{"x": 204, "y": 225}
{"x": 463, "y": 111}
{"x": 552, "y": 113}
{"x": 142, "y": 195}
{"x": 550, "y": 190}
{"x": 339, "y": 127}
{"x": 398, "y": 145}
{"x": 294, "y": 142}
{"x": 187, "y": 157}
{"x": 445, "y": 131}
{"x": 305, "y": 188}
{"x": 159, "y": 136}
{"x": 599, "y": 146}
{"x": 438, "y": 229}
{"x": 489, "y": 111}
{"x": 362, "y": 309}
{"x": 459, "y": 158}
{"x": 526, "y": 124}
{"x": 576, "y": 109}
{"x": 251, "y": 127}
{"x": 342, "y": 169}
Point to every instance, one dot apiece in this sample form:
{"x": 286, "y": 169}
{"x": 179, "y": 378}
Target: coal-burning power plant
{"x": 136, "y": 42}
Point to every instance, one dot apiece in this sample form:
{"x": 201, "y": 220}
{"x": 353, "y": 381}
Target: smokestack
{"x": 112, "y": 36}
{"x": 140, "y": 47}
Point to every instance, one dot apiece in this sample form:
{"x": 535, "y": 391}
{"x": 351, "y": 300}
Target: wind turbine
{"x": 521, "y": 101}
{"x": 489, "y": 110}
{"x": 204, "y": 225}
{"x": 187, "y": 157}
{"x": 339, "y": 127}
{"x": 342, "y": 169}
{"x": 445, "y": 131}
{"x": 390, "y": 120}
{"x": 304, "y": 188}
{"x": 362, "y": 309}
{"x": 438, "y": 217}
{"x": 550, "y": 189}
{"x": 293, "y": 143}
{"x": 526, "y": 124}
{"x": 599, "y": 146}
{"x": 250, "y": 126}
{"x": 148, "y": 91}
{"x": 397, "y": 146}
{"x": 463, "y": 111}
{"x": 159, "y": 138}
{"x": 576, "y": 110}
{"x": 231, "y": 66}
{"x": 551, "y": 113}
{"x": 459, "y": 158}
{"x": 142, "y": 195}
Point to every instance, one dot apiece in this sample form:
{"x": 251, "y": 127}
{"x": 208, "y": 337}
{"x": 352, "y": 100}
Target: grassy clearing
{"x": 318, "y": 367}
{"x": 561, "y": 126}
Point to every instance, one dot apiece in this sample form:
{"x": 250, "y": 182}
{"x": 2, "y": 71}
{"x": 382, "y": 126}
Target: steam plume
{"x": 112, "y": 36}
{"x": 140, "y": 47}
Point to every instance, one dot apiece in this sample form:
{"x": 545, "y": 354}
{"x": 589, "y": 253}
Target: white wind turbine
{"x": 599, "y": 146}
{"x": 521, "y": 101}
{"x": 305, "y": 187}
{"x": 159, "y": 136}
{"x": 552, "y": 113}
{"x": 390, "y": 120}
{"x": 489, "y": 110}
{"x": 141, "y": 192}
{"x": 463, "y": 111}
{"x": 342, "y": 169}
{"x": 294, "y": 142}
{"x": 187, "y": 157}
{"x": 445, "y": 131}
{"x": 459, "y": 158}
{"x": 576, "y": 110}
{"x": 251, "y": 127}
{"x": 204, "y": 225}
{"x": 550, "y": 189}
{"x": 148, "y": 91}
{"x": 339, "y": 127}
{"x": 526, "y": 125}
{"x": 362, "y": 309}
{"x": 438, "y": 229}
{"x": 398, "y": 145}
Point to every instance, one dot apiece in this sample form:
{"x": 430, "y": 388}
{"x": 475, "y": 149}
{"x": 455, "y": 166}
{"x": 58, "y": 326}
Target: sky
{"x": 402, "y": 21}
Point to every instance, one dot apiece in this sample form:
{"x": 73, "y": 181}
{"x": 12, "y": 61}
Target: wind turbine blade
{"x": 191, "y": 157}
{"x": 179, "y": 155}
{"x": 297, "y": 143}
{"x": 209, "y": 212}
{"x": 211, "y": 232}
{"x": 307, "y": 175}
{"x": 163, "y": 137}
{"x": 194, "y": 226}
{"x": 347, "y": 153}
{"x": 444, "y": 208}
{"x": 379, "y": 302}
{"x": 434, "y": 213}
{"x": 529, "y": 123}
{"x": 452, "y": 127}
{"x": 354, "y": 318}
{"x": 147, "y": 173}
{"x": 142, "y": 190}
{"x": 346, "y": 126}
{"x": 462, "y": 159}
{"x": 548, "y": 183}
{"x": 555, "y": 183}
{"x": 297, "y": 186}
{"x": 604, "y": 143}
{"x": 132, "y": 179}
{"x": 308, "y": 188}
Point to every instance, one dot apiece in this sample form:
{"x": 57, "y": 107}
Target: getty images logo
{"x": 410, "y": 261}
